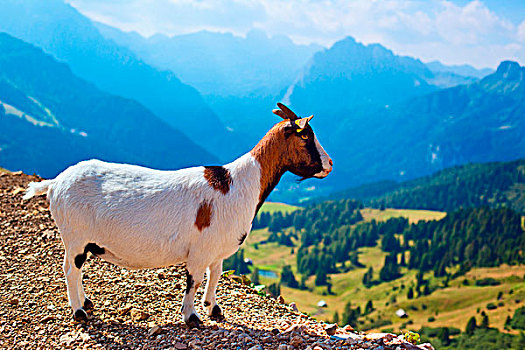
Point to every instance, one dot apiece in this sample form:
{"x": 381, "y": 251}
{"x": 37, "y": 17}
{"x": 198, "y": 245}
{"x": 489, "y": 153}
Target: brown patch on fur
{"x": 280, "y": 150}
{"x": 204, "y": 214}
{"x": 269, "y": 153}
{"x": 218, "y": 177}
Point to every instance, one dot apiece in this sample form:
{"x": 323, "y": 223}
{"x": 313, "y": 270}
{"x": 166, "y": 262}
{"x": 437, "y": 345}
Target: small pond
{"x": 267, "y": 274}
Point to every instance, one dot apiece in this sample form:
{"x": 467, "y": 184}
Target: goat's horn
{"x": 280, "y": 113}
{"x": 287, "y": 111}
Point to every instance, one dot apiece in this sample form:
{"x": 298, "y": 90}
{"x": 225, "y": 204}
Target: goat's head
{"x": 303, "y": 154}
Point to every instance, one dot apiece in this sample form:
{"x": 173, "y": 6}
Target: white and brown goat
{"x": 141, "y": 218}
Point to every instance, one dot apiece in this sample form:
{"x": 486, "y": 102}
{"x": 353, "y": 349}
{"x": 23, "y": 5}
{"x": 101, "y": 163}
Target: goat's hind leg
{"x": 87, "y": 304}
{"x": 72, "y": 270}
{"x": 194, "y": 278}
{"x": 209, "y": 301}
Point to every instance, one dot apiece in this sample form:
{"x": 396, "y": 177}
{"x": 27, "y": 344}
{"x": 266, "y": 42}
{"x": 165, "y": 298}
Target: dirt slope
{"x": 133, "y": 309}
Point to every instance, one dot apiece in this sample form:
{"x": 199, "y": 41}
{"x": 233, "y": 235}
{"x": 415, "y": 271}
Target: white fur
{"x": 145, "y": 218}
{"x": 37, "y": 188}
{"x": 325, "y": 160}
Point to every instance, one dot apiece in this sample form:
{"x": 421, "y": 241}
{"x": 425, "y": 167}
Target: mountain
{"x": 447, "y": 76}
{"x": 471, "y": 185}
{"x": 51, "y": 119}
{"x": 463, "y": 70}
{"x": 241, "y": 78}
{"x": 350, "y": 77}
{"x": 474, "y": 123}
{"x": 221, "y": 64}
{"x": 63, "y": 32}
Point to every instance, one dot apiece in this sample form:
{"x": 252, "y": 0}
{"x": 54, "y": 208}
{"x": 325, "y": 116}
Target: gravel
{"x": 135, "y": 309}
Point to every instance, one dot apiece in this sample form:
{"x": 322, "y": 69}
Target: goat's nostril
{"x": 331, "y": 162}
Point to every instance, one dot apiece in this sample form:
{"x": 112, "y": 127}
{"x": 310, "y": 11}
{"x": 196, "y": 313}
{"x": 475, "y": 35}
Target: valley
{"x": 450, "y": 301}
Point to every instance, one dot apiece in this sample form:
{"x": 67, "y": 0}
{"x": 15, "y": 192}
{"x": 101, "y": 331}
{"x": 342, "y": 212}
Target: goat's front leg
{"x": 209, "y": 301}
{"x": 194, "y": 278}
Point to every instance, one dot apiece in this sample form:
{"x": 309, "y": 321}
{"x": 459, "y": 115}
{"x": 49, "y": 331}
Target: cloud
{"x": 521, "y": 32}
{"x": 433, "y": 29}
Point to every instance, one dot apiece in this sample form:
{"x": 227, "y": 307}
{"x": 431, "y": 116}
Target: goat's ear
{"x": 301, "y": 123}
{"x": 287, "y": 112}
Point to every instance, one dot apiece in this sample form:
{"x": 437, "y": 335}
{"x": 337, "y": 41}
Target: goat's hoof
{"x": 80, "y": 315}
{"x": 216, "y": 313}
{"x": 88, "y": 304}
{"x": 193, "y": 321}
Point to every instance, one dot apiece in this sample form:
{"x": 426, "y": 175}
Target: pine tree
{"x": 444, "y": 336}
{"x": 426, "y": 290}
{"x": 403, "y": 261}
{"x": 508, "y": 321}
{"x": 288, "y": 278}
{"x": 471, "y": 326}
{"x": 350, "y": 315}
{"x": 369, "y": 307}
{"x": 255, "y": 276}
{"x": 410, "y": 293}
{"x": 484, "y": 320}
{"x": 274, "y": 289}
{"x": 367, "y": 277}
{"x": 320, "y": 277}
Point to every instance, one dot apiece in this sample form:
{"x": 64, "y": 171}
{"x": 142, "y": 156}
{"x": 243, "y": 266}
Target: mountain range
{"x": 477, "y": 122}
{"x": 379, "y": 115}
{"x": 51, "y": 119}
{"x": 221, "y": 64}
{"x": 60, "y": 30}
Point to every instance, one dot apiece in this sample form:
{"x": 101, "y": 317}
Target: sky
{"x": 481, "y": 33}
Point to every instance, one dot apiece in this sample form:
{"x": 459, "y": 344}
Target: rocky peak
{"x": 511, "y": 70}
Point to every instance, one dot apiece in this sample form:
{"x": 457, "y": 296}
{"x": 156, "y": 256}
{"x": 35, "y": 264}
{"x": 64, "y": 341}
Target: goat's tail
{"x": 37, "y": 188}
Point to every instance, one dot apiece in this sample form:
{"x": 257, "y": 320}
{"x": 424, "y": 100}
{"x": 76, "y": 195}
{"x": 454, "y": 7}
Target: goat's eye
{"x": 304, "y": 137}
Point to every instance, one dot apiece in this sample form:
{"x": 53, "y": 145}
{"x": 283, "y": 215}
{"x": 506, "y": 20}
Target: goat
{"x": 140, "y": 218}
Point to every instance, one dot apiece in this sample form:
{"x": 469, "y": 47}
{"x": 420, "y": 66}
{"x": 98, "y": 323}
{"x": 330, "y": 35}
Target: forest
{"x": 498, "y": 184}
{"x": 328, "y": 235}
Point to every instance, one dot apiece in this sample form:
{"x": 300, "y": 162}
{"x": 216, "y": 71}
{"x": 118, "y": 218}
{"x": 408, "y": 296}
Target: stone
{"x": 256, "y": 347}
{"x": 180, "y": 346}
{"x": 124, "y": 310}
{"x": 296, "y": 327}
{"x": 47, "y": 318}
{"x": 139, "y": 315}
{"x": 281, "y": 299}
{"x": 154, "y": 331}
{"x": 349, "y": 328}
{"x": 294, "y": 307}
{"x": 331, "y": 328}
{"x": 296, "y": 341}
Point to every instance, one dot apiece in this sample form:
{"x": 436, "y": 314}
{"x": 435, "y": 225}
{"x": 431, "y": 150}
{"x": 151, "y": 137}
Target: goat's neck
{"x": 271, "y": 157}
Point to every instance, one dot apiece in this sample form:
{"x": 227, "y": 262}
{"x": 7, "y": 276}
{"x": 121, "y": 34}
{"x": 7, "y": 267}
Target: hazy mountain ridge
{"x": 464, "y": 70}
{"x": 51, "y": 118}
{"x": 241, "y": 78}
{"x": 221, "y": 64}
{"x": 63, "y": 32}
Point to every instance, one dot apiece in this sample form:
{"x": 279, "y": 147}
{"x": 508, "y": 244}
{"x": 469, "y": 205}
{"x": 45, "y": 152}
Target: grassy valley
{"x": 448, "y": 300}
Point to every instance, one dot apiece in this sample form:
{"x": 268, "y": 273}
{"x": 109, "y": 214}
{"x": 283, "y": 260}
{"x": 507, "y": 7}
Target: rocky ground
{"x": 134, "y": 309}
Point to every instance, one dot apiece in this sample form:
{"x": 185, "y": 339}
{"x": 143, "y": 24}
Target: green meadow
{"x": 449, "y": 304}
